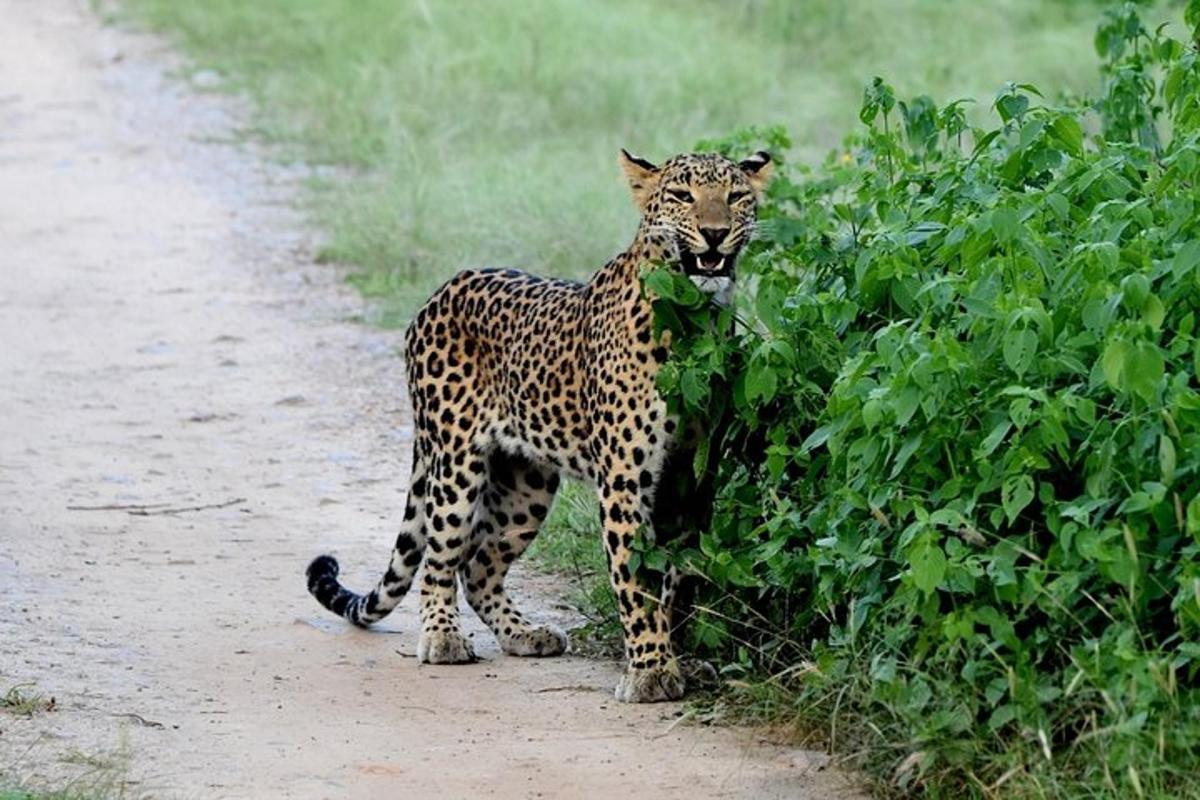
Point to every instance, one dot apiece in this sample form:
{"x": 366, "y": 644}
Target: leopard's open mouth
{"x": 712, "y": 263}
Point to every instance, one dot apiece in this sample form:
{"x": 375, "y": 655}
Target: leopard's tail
{"x": 365, "y": 609}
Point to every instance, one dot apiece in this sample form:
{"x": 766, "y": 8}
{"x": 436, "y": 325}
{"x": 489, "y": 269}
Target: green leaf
{"x": 906, "y": 404}
{"x": 668, "y": 378}
{"x": 1015, "y": 494}
{"x": 656, "y": 560}
{"x": 1012, "y": 106}
{"x": 982, "y": 141}
{"x": 1112, "y": 362}
{"x": 872, "y": 412}
{"x": 694, "y": 385}
{"x": 761, "y": 383}
{"x": 1020, "y": 411}
{"x": 1186, "y": 259}
{"x": 1001, "y": 716}
{"x": 1166, "y": 458}
{"x": 700, "y": 460}
{"x": 659, "y": 282}
{"x": 1135, "y": 288}
{"x": 1020, "y": 346}
{"x": 1004, "y": 224}
{"x": 1068, "y": 133}
{"x": 928, "y": 564}
{"x": 667, "y": 317}
{"x": 1059, "y": 205}
{"x": 1107, "y": 254}
{"x": 673, "y": 286}
{"x": 1144, "y": 369}
{"x": 905, "y": 453}
{"x": 993, "y": 439}
{"x": 686, "y": 292}
{"x": 1193, "y": 518}
{"x": 768, "y": 303}
{"x": 1153, "y": 312}
{"x": 817, "y": 438}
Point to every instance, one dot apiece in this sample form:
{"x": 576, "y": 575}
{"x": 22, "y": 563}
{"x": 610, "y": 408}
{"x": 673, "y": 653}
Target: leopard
{"x": 518, "y": 382}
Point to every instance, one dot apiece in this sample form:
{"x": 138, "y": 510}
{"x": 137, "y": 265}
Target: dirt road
{"x": 166, "y": 341}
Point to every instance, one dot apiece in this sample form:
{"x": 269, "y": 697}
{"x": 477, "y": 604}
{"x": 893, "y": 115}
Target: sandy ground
{"x": 166, "y": 339}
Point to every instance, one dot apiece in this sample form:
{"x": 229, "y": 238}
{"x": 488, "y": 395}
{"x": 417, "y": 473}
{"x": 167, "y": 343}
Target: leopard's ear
{"x": 758, "y": 169}
{"x": 642, "y": 176}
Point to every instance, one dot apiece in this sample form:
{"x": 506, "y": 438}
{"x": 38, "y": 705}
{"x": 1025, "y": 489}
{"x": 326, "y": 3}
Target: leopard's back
{"x": 508, "y": 349}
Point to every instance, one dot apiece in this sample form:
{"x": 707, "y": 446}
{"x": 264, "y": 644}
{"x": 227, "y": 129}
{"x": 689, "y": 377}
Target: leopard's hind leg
{"x": 457, "y": 479}
{"x": 516, "y": 501}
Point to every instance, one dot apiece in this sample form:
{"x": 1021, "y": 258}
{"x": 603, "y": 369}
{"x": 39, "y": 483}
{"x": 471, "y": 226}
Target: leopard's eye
{"x": 738, "y": 195}
{"x": 682, "y": 195}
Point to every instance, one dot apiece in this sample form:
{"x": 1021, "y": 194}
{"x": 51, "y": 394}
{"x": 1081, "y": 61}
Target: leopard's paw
{"x": 536, "y": 640}
{"x": 651, "y": 684}
{"x": 444, "y": 647}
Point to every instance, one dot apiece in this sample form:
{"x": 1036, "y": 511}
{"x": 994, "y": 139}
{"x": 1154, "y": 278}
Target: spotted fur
{"x": 516, "y": 380}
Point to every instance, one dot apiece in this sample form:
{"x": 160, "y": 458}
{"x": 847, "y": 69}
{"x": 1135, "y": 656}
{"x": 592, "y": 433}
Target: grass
{"x": 20, "y": 701}
{"x": 96, "y": 776}
{"x": 486, "y": 133}
{"x": 570, "y": 545}
{"x": 102, "y": 789}
{"x": 78, "y": 790}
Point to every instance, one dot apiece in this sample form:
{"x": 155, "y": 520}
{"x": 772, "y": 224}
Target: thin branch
{"x": 209, "y": 506}
{"x": 153, "y": 509}
{"x": 119, "y": 507}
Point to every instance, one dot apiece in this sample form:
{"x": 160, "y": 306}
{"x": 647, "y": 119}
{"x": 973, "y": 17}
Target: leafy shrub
{"x": 956, "y": 434}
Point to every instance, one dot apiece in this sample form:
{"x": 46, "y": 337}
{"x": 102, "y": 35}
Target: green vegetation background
{"x": 486, "y": 133}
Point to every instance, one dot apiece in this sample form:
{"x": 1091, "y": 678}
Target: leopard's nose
{"x": 714, "y": 236}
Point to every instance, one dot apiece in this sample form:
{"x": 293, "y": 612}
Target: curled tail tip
{"x": 320, "y": 569}
{"x": 323, "y": 584}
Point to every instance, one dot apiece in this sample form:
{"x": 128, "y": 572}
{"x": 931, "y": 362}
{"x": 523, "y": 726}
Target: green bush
{"x": 955, "y": 435}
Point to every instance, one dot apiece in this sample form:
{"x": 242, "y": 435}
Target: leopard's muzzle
{"x": 711, "y": 263}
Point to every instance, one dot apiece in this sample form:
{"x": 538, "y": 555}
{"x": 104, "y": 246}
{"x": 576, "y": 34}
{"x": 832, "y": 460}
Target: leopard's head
{"x": 701, "y": 207}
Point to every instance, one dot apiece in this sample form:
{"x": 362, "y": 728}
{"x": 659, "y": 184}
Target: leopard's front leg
{"x": 651, "y": 673}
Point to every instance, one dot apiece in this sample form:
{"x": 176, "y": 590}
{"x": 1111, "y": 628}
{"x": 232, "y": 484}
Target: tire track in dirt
{"x": 165, "y": 343}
